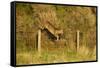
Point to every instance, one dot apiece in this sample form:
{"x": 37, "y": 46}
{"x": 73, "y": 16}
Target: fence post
{"x": 39, "y": 41}
{"x": 78, "y": 32}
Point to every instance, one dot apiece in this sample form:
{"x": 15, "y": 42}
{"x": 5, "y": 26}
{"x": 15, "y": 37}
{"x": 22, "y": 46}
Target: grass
{"x": 54, "y": 56}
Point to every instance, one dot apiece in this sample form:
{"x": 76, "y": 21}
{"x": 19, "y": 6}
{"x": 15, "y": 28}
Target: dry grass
{"x": 55, "y": 56}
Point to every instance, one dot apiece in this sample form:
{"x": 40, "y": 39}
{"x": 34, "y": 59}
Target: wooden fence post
{"x": 39, "y": 41}
{"x": 78, "y": 32}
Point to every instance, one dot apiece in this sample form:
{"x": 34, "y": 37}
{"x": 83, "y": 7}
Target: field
{"x": 59, "y": 25}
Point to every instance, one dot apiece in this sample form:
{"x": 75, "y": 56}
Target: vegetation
{"x": 29, "y": 17}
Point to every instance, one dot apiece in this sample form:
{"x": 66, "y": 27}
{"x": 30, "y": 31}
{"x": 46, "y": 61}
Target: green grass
{"x": 54, "y": 56}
